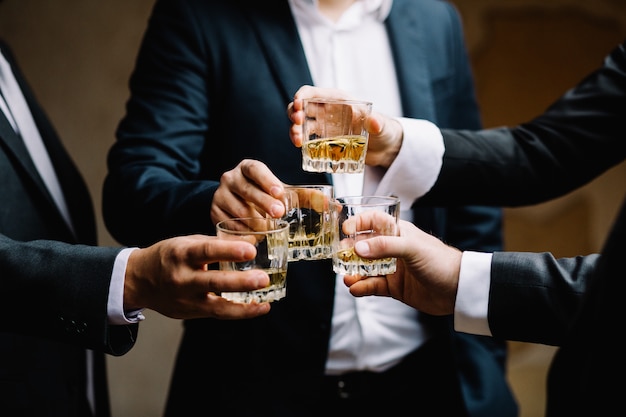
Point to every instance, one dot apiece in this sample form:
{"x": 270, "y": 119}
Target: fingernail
{"x": 276, "y": 190}
{"x": 362, "y": 248}
{"x": 277, "y": 210}
{"x": 262, "y": 280}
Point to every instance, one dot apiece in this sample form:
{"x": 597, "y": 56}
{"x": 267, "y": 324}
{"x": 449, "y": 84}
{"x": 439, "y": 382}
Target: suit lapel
{"x": 280, "y": 41}
{"x": 12, "y": 141}
{"x": 74, "y": 189}
{"x": 279, "y": 38}
{"x": 15, "y": 147}
{"x": 409, "y": 49}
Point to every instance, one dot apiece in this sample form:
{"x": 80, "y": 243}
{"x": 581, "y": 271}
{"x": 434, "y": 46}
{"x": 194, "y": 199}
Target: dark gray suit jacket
{"x": 54, "y": 295}
{"x": 211, "y": 85}
{"x": 576, "y": 303}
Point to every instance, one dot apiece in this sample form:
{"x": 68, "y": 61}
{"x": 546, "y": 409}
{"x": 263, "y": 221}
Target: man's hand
{"x": 248, "y": 190}
{"x": 172, "y": 278}
{"x": 427, "y": 273}
{"x": 385, "y": 133}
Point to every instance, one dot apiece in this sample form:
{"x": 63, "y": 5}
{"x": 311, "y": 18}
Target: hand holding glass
{"x": 334, "y": 135}
{"x": 359, "y": 218}
{"x": 270, "y": 237}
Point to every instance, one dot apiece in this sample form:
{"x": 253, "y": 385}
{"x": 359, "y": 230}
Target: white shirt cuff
{"x": 472, "y": 298}
{"x": 115, "y": 305}
{"x": 417, "y": 166}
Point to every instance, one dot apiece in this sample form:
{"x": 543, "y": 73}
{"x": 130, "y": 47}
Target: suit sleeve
{"x": 154, "y": 167}
{"x": 59, "y": 291}
{"x": 576, "y": 139}
{"x": 535, "y": 297}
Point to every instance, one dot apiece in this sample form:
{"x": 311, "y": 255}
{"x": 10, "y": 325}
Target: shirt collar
{"x": 378, "y": 9}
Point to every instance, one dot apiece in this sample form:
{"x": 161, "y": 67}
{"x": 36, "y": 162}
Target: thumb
{"x": 379, "y": 247}
{"x": 374, "y": 124}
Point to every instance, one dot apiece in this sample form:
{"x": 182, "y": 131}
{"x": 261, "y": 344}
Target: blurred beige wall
{"x": 78, "y": 55}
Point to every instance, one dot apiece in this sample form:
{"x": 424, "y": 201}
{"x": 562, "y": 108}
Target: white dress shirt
{"x": 368, "y": 333}
{"x": 115, "y": 306}
{"x": 472, "y": 299}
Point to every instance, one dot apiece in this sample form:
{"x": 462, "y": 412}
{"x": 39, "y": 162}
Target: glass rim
{"x": 279, "y": 225}
{"x": 350, "y": 101}
{"x": 372, "y": 200}
{"x": 307, "y": 185}
{"x": 324, "y": 188}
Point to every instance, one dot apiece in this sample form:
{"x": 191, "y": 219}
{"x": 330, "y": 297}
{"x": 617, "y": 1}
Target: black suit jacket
{"x": 576, "y": 303}
{"x": 210, "y": 88}
{"x": 54, "y": 295}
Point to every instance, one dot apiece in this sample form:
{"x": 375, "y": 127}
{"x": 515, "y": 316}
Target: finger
{"x": 304, "y": 92}
{"x": 210, "y": 249}
{"x": 374, "y": 124}
{"x": 263, "y": 188}
{"x": 294, "y": 111}
{"x": 224, "y": 309}
{"x": 370, "y": 220}
{"x": 295, "y": 134}
{"x": 307, "y": 91}
{"x": 297, "y": 118}
{"x": 364, "y": 286}
{"x": 218, "y": 281}
{"x": 381, "y": 247}
{"x": 290, "y": 110}
{"x": 313, "y": 198}
{"x": 298, "y": 105}
{"x": 351, "y": 279}
{"x": 227, "y": 204}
